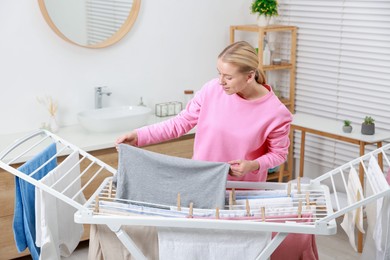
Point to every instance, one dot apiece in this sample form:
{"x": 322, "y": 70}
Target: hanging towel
{"x": 354, "y": 217}
{"x": 369, "y": 250}
{"x": 105, "y": 245}
{"x": 297, "y": 246}
{"x": 24, "y": 211}
{"x": 382, "y": 229}
{"x": 376, "y": 176}
{"x": 57, "y": 233}
{"x": 189, "y": 243}
{"x": 151, "y": 177}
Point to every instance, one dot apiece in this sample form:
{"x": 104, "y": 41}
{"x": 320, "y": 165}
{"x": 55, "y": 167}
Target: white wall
{"x": 172, "y": 46}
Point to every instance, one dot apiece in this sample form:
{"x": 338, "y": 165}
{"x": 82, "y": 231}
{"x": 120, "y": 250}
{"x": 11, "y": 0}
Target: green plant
{"x": 347, "y": 123}
{"x": 265, "y": 7}
{"x": 368, "y": 120}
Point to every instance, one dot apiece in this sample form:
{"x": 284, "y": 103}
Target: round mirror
{"x": 90, "y": 23}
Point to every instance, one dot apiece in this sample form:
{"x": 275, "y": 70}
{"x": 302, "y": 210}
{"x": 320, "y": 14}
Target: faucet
{"x": 98, "y": 96}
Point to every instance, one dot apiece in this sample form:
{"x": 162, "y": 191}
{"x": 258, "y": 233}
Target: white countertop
{"x": 334, "y": 127}
{"x": 75, "y": 134}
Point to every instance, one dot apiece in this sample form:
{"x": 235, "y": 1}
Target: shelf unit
{"x": 284, "y": 172}
{"x": 262, "y": 32}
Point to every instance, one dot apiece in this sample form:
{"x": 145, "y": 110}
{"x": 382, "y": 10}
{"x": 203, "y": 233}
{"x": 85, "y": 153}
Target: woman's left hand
{"x": 239, "y": 168}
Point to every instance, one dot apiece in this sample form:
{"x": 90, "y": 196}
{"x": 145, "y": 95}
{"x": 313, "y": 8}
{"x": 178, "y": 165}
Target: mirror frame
{"x": 108, "y": 42}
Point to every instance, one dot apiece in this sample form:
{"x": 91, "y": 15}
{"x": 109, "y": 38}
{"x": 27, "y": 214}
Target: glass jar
{"x": 161, "y": 109}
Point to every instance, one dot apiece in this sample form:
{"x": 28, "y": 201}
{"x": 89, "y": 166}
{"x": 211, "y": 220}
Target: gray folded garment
{"x": 156, "y": 178}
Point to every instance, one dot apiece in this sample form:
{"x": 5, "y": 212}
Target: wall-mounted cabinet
{"x": 285, "y": 64}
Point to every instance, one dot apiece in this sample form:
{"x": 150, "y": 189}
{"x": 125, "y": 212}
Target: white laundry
{"x": 376, "y": 176}
{"x": 187, "y": 243}
{"x": 268, "y": 202}
{"x": 354, "y": 217}
{"x": 369, "y": 250}
{"x": 381, "y": 229}
{"x": 56, "y": 232}
{"x": 376, "y": 244}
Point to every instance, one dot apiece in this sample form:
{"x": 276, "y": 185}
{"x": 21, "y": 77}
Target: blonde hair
{"x": 244, "y": 56}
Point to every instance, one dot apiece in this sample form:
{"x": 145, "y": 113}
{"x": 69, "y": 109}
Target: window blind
{"x": 343, "y": 68}
{"x": 105, "y": 18}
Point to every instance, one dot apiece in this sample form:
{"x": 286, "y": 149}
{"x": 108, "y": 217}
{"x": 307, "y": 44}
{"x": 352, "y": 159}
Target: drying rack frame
{"x": 325, "y": 225}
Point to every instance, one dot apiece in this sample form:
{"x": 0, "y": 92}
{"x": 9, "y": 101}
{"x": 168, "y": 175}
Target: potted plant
{"x": 347, "y": 128}
{"x": 265, "y": 9}
{"x": 368, "y": 126}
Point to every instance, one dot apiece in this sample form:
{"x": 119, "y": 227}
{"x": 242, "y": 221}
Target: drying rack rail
{"x": 309, "y": 203}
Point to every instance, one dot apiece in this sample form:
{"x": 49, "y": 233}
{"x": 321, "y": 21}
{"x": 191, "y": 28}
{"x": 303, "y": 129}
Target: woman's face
{"x": 230, "y": 78}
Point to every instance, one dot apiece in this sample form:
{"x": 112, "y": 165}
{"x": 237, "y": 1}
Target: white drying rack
{"x": 96, "y": 173}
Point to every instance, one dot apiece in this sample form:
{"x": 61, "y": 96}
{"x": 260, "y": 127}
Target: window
{"x": 343, "y": 68}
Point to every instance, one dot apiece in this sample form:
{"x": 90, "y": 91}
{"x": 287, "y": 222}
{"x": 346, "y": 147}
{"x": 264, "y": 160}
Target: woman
{"x": 238, "y": 119}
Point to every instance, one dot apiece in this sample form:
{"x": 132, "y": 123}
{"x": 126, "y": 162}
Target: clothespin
{"x": 307, "y": 200}
{"x": 300, "y": 209}
{"x": 299, "y": 185}
{"x": 234, "y": 196}
{"x": 191, "y": 210}
{"x": 248, "y": 209}
{"x": 178, "y": 202}
{"x": 217, "y": 213}
{"x": 96, "y": 204}
{"x": 110, "y": 189}
{"x": 289, "y": 189}
{"x": 230, "y": 200}
{"x": 263, "y": 214}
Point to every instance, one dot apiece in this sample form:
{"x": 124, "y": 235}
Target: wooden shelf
{"x": 283, "y": 66}
{"x": 291, "y": 66}
{"x": 269, "y": 28}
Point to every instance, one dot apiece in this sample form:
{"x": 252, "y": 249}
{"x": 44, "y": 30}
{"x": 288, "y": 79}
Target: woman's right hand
{"x": 129, "y": 138}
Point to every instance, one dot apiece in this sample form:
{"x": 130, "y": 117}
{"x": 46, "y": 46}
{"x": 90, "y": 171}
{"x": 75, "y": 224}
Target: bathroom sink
{"x": 114, "y": 119}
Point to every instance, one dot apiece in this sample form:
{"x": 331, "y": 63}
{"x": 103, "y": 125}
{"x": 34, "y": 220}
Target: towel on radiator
{"x": 24, "y": 212}
{"x": 156, "y": 178}
{"x": 56, "y": 232}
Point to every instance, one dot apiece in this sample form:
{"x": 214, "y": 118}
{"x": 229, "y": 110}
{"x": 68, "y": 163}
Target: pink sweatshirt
{"x": 229, "y": 127}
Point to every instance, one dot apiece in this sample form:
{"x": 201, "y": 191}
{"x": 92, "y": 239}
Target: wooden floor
{"x": 336, "y": 247}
